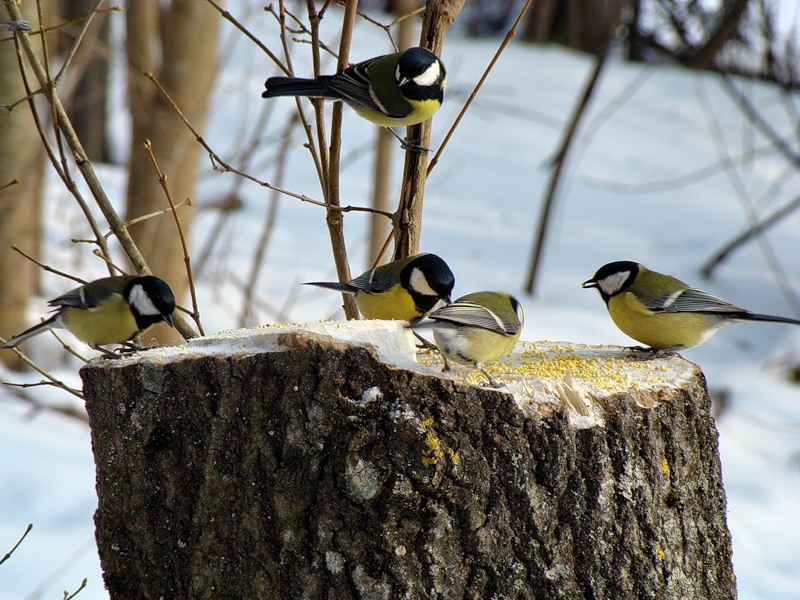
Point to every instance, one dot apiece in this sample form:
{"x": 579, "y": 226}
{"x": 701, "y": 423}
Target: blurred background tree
{"x": 177, "y": 43}
{"x": 21, "y": 176}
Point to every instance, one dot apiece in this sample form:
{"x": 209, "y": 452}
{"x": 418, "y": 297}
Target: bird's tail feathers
{"x": 333, "y": 285}
{"x": 767, "y": 318}
{"x": 295, "y": 86}
{"x": 53, "y": 322}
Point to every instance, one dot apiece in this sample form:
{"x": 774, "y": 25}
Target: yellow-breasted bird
{"x": 394, "y": 90}
{"x": 662, "y": 312}
{"x": 112, "y": 310}
{"x": 478, "y": 328}
{"x": 405, "y": 289}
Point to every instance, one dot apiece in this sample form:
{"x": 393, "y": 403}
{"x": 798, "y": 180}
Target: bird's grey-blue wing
{"x": 692, "y": 300}
{"x": 473, "y": 315}
{"x": 367, "y": 283}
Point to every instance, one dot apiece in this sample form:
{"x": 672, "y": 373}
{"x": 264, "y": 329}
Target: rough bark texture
{"x": 319, "y": 472}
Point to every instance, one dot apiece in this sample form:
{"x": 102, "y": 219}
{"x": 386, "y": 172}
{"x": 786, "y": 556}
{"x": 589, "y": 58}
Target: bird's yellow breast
{"x": 111, "y": 322}
{"x": 422, "y": 111}
{"x": 657, "y": 330}
{"x": 483, "y": 346}
{"x": 395, "y": 303}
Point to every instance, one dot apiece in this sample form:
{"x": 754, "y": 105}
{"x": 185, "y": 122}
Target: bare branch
{"x": 10, "y": 552}
{"x": 47, "y": 268}
{"x": 509, "y": 35}
{"x": 228, "y": 16}
{"x": 162, "y": 179}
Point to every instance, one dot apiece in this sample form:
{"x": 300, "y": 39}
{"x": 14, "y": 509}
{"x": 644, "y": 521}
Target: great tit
{"x": 405, "y": 289}
{"x": 112, "y": 310}
{"x": 662, "y": 312}
{"x": 393, "y": 90}
{"x": 477, "y": 328}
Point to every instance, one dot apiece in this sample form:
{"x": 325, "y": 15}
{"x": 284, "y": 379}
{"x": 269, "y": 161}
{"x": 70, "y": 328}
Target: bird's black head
{"x": 613, "y": 278}
{"x": 420, "y": 74}
{"x": 428, "y": 279}
{"x": 151, "y": 300}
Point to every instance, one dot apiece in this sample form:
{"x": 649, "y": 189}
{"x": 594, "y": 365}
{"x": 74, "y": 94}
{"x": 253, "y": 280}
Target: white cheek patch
{"x": 520, "y": 315}
{"x": 429, "y": 76}
{"x": 613, "y": 283}
{"x": 139, "y": 300}
{"x": 419, "y": 283}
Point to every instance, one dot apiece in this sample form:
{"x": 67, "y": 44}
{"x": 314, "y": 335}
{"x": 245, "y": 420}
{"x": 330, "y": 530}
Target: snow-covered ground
{"x": 641, "y": 185}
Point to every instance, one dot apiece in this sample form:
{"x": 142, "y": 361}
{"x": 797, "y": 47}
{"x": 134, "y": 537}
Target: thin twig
{"x": 750, "y": 233}
{"x": 9, "y": 184}
{"x": 152, "y": 215}
{"x": 301, "y": 30}
{"x": 47, "y": 268}
{"x": 226, "y": 15}
{"x": 266, "y": 231}
{"x": 74, "y": 48}
{"x": 66, "y": 410}
{"x": 219, "y": 165}
{"x": 75, "y": 593}
{"x": 10, "y": 552}
{"x": 509, "y": 35}
{"x": 559, "y": 162}
{"x": 162, "y": 179}
{"x": 735, "y": 179}
{"x": 56, "y": 382}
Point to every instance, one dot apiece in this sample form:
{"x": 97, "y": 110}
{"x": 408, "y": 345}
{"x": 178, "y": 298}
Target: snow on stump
{"x": 323, "y": 462}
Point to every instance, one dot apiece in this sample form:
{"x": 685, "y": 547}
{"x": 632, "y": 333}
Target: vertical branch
{"x": 558, "y": 164}
{"x": 439, "y": 16}
{"x": 385, "y": 148}
{"x": 334, "y": 217}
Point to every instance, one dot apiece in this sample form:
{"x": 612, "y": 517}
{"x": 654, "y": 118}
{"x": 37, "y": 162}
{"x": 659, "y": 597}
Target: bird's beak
{"x": 168, "y": 319}
{"x": 445, "y": 299}
{"x": 591, "y": 283}
{"x": 403, "y": 81}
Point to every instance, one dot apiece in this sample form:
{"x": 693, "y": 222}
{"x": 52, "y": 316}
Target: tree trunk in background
{"x": 316, "y": 471}
{"x": 578, "y": 24}
{"x": 186, "y": 67}
{"x": 21, "y": 158}
{"x": 86, "y": 105}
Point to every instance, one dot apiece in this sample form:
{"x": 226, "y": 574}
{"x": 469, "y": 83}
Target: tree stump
{"x": 291, "y": 463}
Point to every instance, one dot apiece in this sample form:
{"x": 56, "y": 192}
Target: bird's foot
{"x": 108, "y": 354}
{"x": 424, "y": 344}
{"x": 14, "y": 26}
{"x": 648, "y": 353}
{"x": 410, "y": 145}
{"x": 413, "y": 146}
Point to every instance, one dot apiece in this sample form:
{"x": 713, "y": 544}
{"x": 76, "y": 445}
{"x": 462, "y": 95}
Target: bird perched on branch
{"x": 478, "y": 328}
{"x": 112, "y": 310}
{"x": 393, "y": 90}
{"x": 406, "y": 289}
{"x": 662, "y": 312}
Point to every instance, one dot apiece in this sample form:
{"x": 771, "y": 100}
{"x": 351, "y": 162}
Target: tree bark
{"x": 436, "y": 21}
{"x": 286, "y": 464}
{"x": 21, "y": 159}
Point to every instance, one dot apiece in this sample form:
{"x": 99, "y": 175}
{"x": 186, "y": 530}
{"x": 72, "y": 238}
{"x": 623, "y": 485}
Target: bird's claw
{"x": 14, "y": 26}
